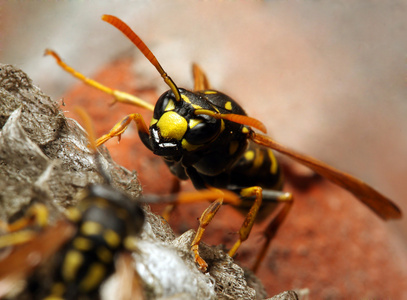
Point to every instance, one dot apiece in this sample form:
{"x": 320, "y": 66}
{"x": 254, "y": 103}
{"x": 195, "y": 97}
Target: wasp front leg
{"x": 120, "y": 127}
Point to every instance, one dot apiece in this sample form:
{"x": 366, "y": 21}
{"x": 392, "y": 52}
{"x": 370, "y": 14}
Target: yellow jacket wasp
{"x": 205, "y": 136}
{"x": 85, "y": 245}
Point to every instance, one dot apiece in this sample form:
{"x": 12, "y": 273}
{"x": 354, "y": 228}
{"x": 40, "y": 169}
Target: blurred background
{"x": 327, "y": 79}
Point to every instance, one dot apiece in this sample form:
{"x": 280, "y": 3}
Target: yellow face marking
{"x": 72, "y": 262}
{"x": 82, "y": 244}
{"x": 94, "y": 277}
{"x": 273, "y": 162}
{"x": 185, "y": 98}
{"x": 172, "y": 125}
{"x": 194, "y": 122}
{"x": 170, "y": 106}
{"x": 249, "y": 155}
{"x": 104, "y": 254}
{"x": 189, "y": 147}
{"x": 233, "y": 147}
{"x": 153, "y": 121}
{"x": 91, "y": 228}
{"x": 112, "y": 238}
{"x": 210, "y": 92}
{"x": 228, "y": 105}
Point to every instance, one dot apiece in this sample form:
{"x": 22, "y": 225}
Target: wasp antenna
{"x": 132, "y": 36}
{"x": 87, "y": 123}
{"x": 240, "y": 119}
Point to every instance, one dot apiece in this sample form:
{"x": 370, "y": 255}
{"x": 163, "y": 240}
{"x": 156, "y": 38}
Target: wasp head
{"x": 176, "y": 129}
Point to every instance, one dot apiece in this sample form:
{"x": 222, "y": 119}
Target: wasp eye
{"x": 165, "y": 103}
{"x": 202, "y": 130}
{"x": 162, "y": 103}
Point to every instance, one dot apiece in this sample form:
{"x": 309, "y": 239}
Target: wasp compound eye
{"x": 202, "y": 130}
{"x": 166, "y": 102}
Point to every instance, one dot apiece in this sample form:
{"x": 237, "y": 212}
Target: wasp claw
{"x": 203, "y": 266}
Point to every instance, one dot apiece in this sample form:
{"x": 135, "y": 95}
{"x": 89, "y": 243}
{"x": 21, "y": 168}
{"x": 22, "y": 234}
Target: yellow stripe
{"x": 189, "y": 147}
{"x": 273, "y": 161}
{"x": 209, "y": 92}
{"x": 249, "y": 155}
{"x": 104, "y": 254}
{"x": 91, "y": 228}
{"x": 153, "y": 121}
{"x": 82, "y": 244}
{"x": 94, "y": 277}
{"x": 185, "y": 98}
{"x": 170, "y": 106}
{"x": 194, "y": 122}
{"x": 72, "y": 262}
{"x": 258, "y": 159}
{"x": 245, "y": 130}
{"x": 112, "y": 238}
{"x": 73, "y": 214}
{"x": 228, "y": 105}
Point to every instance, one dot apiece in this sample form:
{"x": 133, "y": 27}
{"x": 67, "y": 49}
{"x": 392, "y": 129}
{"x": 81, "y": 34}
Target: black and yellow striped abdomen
{"x": 257, "y": 167}
{"x": 104, "y": 219}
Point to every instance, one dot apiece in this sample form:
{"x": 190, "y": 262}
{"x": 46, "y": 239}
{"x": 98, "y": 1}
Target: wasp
{"x": 205, "y": 136}
{"x": 85, "y": 243}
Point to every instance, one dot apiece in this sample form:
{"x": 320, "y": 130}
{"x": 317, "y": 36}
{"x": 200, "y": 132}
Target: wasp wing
{"x": 201, "y": 82}
{"x": 381, "y": 205}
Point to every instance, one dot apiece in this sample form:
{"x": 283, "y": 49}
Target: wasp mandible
{"x": 205, "y": 136}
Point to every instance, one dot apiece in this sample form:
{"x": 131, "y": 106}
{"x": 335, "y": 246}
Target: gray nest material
{"x": 44, "y": 158}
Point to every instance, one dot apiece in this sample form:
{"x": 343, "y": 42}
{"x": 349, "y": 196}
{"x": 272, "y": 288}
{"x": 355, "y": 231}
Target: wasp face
{"x": 175, "y": 129}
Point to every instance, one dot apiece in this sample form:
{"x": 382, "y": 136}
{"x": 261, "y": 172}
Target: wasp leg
{"x": 217, "y": 196}
{"x": 120, "y": 127}
{"x": 268, "y": 195}
{"x": 201, "y": 82}
{"x": 119, "y": 96}
{"x": 250, "y": 217}
{"x": 37, "y": 215}
{"x": 204, "y": 220}
{"x": 273, "y": 226}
